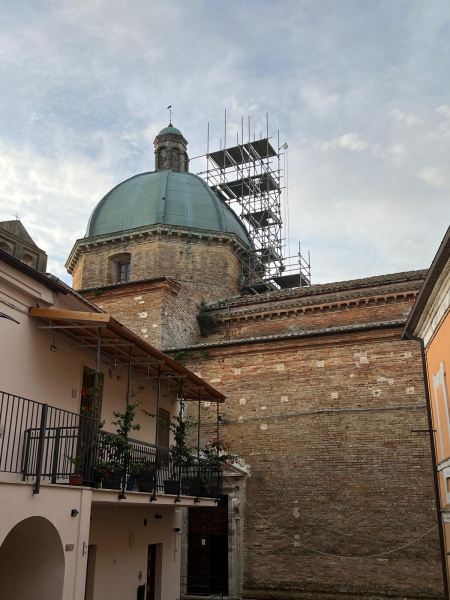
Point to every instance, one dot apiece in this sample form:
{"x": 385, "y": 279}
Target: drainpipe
{"x": 435, "y": 471}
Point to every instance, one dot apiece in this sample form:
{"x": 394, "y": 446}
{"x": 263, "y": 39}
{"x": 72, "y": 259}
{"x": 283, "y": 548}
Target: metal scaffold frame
{"x": 250, "y": 178}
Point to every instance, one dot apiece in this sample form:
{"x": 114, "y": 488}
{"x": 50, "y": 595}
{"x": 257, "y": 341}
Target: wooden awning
{"x": 86, "y": 329}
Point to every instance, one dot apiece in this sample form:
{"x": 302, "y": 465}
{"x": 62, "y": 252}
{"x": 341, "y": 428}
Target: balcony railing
{"x": 48, "y": 444}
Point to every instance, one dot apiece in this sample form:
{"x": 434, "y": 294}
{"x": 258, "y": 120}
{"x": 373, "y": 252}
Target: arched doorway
{"x": 32, "y": 561}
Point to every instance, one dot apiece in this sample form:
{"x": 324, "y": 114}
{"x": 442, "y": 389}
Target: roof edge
{"x": 51, "y": 281}
{"x": 440, "y": 260}
{"x": 289, "y": 336}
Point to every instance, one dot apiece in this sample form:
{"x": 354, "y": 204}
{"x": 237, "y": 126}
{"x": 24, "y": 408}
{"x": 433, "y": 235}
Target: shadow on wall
{"x": 32, "y": 562}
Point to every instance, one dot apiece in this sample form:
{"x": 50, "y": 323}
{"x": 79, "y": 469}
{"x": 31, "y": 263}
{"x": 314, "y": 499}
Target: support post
{"x": 87, "y": 428}
{"x": 218, "y": 446}
{"x": 129, "y": 375}
{"x": 199, "y": 465}
{"x": 56, "y": 454}
{"x": 40, "y": 452}
{"x": 122, "y": 495}
{"x": 177, "y": 499}
{"x": 97, "y": 369}
{"x": 158, "y": 399}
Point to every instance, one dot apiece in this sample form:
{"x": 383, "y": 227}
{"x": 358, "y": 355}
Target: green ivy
{"x": 206, "y": 321}
{"x": 181, "y": 355}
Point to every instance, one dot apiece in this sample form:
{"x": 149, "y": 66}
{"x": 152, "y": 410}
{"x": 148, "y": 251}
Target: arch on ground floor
{"x": 32, "y": 561}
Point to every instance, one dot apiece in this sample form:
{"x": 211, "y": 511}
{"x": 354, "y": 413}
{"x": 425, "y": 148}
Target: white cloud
{"x": 438, "y": 177}
{"x": 79, "y": 115}
{"x": 348, "y": 141}
{"x": 444, "y": 110}
{"x": 402, "y": 117}
{"x": 318, "y": 100}
{"x": 53, "y": 197}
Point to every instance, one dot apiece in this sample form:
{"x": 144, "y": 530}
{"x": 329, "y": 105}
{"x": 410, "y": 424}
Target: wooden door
{"x": 151, "y": 572}
{"x": 208, "y": 549}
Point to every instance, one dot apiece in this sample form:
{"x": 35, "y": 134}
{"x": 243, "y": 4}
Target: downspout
{"x": 435, "y": 471}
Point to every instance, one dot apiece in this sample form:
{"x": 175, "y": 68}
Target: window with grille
{"x": 124, "y": 272}
{"x": 163, "y": 428}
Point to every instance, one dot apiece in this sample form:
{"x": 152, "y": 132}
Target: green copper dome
{"x": 170, "y": 129}
{"x": 167, "y": 197}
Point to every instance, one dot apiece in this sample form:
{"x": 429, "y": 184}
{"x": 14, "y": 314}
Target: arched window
{"x": 175, "y": 159}
{"x": 120, "y": 268}
{"x": 162, "y": 158}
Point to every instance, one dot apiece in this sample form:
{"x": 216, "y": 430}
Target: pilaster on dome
{"x": 170, "y": 150}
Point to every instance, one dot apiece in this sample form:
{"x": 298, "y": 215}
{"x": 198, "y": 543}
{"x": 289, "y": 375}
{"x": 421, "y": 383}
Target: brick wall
{"x": 160, "y": 308}
{"x": 386, "y": 303}
{"x": 201, "y": 259}
{"x": 357, "y": 482}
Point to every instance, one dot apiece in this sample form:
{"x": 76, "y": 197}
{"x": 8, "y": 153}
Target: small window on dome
{"x": 123, "y": 272}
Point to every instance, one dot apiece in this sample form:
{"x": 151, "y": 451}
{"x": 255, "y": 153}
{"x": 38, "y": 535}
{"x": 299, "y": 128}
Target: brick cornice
{"x": 120, "y": 290}
{"x": 327, "y": 304}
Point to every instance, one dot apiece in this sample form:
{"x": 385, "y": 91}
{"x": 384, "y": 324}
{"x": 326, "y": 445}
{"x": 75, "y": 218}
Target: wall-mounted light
{"x": 53, "y": 348}
{"x": 158, "y": 516}
{"x": 119, "y": 378}
{"x": 177, "y": 530}
{"x": 74, "y": 512}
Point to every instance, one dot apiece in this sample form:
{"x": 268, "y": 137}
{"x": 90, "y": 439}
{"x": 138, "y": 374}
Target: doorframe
{"x": 234, "y": 484}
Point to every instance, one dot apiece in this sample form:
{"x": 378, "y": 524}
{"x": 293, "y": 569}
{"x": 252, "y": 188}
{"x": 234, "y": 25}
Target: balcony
{"x": 44, "y": 444}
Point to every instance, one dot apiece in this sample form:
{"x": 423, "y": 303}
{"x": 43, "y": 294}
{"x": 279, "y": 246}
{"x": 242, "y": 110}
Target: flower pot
{"x": 171, "y": 487}
{"x": 146, "y": 486}
{"x": 75, "y": 479}
{"x": 114, "y": 482}
{"x": 190, "y": 486}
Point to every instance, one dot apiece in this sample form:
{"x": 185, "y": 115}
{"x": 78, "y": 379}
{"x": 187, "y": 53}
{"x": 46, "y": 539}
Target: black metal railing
{"x": 44, "y": 443}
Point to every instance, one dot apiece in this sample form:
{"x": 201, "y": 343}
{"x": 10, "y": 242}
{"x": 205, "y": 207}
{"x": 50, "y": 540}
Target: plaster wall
{"x": 119, "y": 563}
{"x": 438, "y": 362}
{"x": 55, "y": 378}
{"x": 54, "y": 504}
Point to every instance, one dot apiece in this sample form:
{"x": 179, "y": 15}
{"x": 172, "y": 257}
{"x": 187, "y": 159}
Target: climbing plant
{"x": 206, "y": 321}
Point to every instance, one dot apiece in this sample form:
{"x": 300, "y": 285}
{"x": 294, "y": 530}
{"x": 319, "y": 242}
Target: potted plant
{"x": 103, "y": 472}
{"x": 180, "y": 453}
{"x": 145, "y": 476}
{"x": 76, "y": 478}
{"x": 218, "y": 453}
{"x": 119, "y": 450}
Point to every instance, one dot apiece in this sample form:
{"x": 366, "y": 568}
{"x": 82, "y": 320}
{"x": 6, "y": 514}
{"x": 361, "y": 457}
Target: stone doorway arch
{"x": 32, "y": 561}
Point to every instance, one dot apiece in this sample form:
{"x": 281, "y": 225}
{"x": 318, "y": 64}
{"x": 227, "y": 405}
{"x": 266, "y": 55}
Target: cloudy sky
{"x": 360, "y": 90}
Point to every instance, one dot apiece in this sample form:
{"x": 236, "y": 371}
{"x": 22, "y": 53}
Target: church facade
{"x": 325, "y": 401}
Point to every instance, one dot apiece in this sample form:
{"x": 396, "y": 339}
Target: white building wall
{"x": 122, "y": 541}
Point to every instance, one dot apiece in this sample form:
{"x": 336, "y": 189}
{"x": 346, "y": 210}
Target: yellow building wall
{"x": 438, "y": 362}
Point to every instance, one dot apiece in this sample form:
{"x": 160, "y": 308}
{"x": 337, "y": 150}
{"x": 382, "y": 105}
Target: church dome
{"x": 170, "y": 129}
{"x": 165, "y": 197}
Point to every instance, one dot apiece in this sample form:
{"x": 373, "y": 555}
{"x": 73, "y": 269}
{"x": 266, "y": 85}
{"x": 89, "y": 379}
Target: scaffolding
{"x": 250, "y": 178}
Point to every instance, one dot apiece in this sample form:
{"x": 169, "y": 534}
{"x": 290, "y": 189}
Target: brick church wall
{"x": 170, "y": 276}
{"x": 206, "y": 259}
{"x": 357, "y": 482}
{"x": 333, "y": 428}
